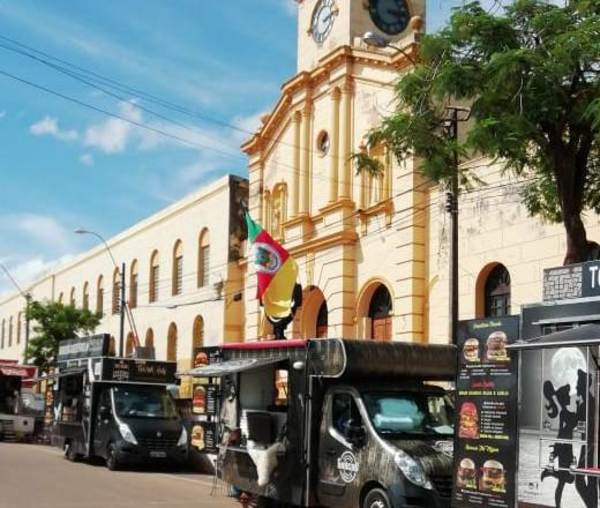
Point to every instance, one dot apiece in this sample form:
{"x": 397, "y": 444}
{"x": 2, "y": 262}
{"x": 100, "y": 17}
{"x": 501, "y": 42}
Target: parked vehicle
{"x": 332, "y": 423}
{"x": 16, "y": 422}
{"x": 118, "y": 409}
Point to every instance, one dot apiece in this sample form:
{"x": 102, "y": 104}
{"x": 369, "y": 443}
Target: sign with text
{"x": 83, "y": 347}
{"x": 485, "y": 452}
{"x": 204, "y": 437}
{"x": 580, "y": 280}
{"x": 138, "y": 371}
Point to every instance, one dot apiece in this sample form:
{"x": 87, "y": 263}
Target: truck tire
{"x": 376, "y": 498}
{"x": 112, "y": 462}
{"x": 70, "y": 453}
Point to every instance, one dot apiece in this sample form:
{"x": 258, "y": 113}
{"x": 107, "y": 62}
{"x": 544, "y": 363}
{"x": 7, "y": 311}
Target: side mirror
{"x": 355, "y": 433}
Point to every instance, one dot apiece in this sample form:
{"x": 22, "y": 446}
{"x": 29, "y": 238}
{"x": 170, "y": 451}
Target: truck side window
{"x": 343, "y": 411}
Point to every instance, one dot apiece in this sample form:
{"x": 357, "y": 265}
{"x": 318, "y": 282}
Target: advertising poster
{"x": 485, "y": 451}
{"x": 199, "y": 399}
{"x": 204, "y": 437}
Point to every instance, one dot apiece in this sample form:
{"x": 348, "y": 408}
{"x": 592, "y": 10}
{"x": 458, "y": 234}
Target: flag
{"x": 276, "y": 270}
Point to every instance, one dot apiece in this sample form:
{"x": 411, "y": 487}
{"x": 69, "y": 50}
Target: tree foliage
{"x": 532, "y": 78}
{"x": 52, "y": 323}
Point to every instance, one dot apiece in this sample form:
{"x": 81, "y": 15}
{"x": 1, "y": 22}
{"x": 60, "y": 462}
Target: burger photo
{"x": 466, "y": 477}
{"x": 471, "y": 350}
{"x": 198, "y": 437}
{"x": 495, "y": 349}
{"x": 492, "y": 477}
{"x": 199, "y": 400}
{"x": 469, "y": 421}
{"x": 201, "y": 359}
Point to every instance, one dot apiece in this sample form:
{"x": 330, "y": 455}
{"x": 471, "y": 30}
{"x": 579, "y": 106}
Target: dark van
{"x": 334, "y": 423}
{"x": 118, "y": 409}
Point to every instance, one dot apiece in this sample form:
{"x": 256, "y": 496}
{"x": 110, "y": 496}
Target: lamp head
{"x": 375, "y": 40}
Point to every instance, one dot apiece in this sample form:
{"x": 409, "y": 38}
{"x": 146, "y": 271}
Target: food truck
{"x": 118, "y": 409}
{"x": 16, "y": 422}
{"x": 329, "y": 422}
{"x": 532, "y": 434}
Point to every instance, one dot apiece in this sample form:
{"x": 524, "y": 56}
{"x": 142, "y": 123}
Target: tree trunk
{"x": 577, "y": 244}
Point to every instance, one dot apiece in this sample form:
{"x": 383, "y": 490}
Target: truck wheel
{"x": 112, "y": 462}
{"x": 377, "y": 498}
{"x": 70, "y": 454}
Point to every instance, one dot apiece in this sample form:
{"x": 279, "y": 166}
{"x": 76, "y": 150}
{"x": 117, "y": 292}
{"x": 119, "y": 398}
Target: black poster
{"x": 138, "y": 371}
{"x": 212, "y": 391}
{"x": 485, "y": 451}
{"x": 204, "y": 437}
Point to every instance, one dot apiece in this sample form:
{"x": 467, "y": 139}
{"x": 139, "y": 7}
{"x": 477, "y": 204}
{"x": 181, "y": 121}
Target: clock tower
{"x": 325, "y": 25}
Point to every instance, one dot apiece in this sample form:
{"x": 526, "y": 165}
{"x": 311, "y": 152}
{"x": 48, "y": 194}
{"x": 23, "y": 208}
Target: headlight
{"x": 183, "y": 438}
{"x": 412, "y": 470}
{"x": 127, "y": 433}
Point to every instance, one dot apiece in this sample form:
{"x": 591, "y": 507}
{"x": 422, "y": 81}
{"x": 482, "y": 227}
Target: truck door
{"x": 103, "y": 422}
{"x": 339, "y": 459}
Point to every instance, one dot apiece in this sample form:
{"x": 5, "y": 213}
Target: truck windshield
{"x": 415, "y": 413}
{"x": 144, "y": 402}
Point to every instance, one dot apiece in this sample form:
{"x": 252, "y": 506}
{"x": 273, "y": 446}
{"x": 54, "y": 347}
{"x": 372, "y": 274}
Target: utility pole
{"x": 451, "y": 126}
{"x": 122, "y": 311}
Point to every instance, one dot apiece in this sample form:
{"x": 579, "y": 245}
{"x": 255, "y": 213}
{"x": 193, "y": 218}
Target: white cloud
{"x": 87, "y": 159}
{"x": 2, "y": 114}
{"x": 113, "y": 135}
{"x": 28, "y": 271}
{"x": 290, "y": 7}
{"x": 42, "y": 228}
{"x": 48, "y": 126}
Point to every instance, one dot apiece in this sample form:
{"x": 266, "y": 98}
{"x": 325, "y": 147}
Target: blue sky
{"x": 63, "y": 165}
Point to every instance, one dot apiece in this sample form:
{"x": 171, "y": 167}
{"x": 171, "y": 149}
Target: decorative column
{"x": 295, "y": 201}
{"x": 346, "y": 140}
{"x": 334, "y": 145}
{"x": 306, "y": 156}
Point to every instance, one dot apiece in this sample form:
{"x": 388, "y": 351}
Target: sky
{"x": 79, "y": 77}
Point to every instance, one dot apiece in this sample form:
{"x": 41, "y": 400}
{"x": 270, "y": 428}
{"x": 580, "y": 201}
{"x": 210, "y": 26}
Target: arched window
{"x": 100, "y": 296}
{"x": 112, "y": 346}
{"x": 380, "y": 313}
{"x": 322, "y": 321}
{"x": 86, "y": 296}
{"x": 61, "y": 297}
{"x": 133, "y": 284}
{"x": 172, "y": 343}
{"x": 19, "y": 326}
{"x": 10, "y": 331}
{"x": 203, "y": 258}
{"x": 3, "y": 333}
{"x": 197, "y": 336}
{"x": 154, "y": 277}
{"x": 116, "y": 292}
{"x": 177, "y": 275}
{"x": 149, "y": 342}
{"x": 129, "y": 345}
{"x": 497, "y": 292}
{"x": 72, "y": 297}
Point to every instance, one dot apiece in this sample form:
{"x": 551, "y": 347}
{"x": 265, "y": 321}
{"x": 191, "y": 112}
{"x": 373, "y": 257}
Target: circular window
{"x": 323, "y": 143}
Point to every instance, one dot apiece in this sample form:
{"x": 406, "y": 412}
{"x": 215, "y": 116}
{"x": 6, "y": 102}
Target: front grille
{"x": 162, "y": 443}
{"x": 443, "y": 484}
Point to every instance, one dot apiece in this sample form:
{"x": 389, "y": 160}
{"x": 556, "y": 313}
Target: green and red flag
{"x": 276, "y": 270}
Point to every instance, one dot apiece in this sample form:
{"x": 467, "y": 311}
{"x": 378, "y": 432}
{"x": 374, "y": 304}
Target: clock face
{"x": 390, "y": 16}
{"x": 322, "y": 20}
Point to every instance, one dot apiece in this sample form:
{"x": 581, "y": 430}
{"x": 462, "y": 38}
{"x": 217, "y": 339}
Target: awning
{"x": 229, "y": 367}
{"x": 582, "y": 336}
{"x": 17, "y": 371}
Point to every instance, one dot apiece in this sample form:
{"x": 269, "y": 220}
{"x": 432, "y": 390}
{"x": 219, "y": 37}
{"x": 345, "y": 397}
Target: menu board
{"x": 212, "y": 393}
{"x": 204, "y": 437}
{"x": 138, "y": 371}
{"x": 485, "y": 451}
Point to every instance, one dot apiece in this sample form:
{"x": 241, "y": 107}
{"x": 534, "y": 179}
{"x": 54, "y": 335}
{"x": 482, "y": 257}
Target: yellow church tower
{"x": 360, "y": 241}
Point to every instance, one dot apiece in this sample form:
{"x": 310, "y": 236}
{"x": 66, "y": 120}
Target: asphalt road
{"x": 33, "y": 476}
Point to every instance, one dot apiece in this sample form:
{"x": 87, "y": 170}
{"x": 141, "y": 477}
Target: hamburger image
{"x": 492, "y": 477}
{"x": 471, "y": 350}
{"x": 466, "y": 477}
{"x": 198, "y": 437}
{"x": 199, "y": 400}
{"x": 495, "y": 349}
{"x": 469, "y": 421}
{"x": 201, "y": 359}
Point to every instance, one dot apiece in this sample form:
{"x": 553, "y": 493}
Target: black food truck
{"x": 329, "y": 422}
{"x": 118, "y": 409}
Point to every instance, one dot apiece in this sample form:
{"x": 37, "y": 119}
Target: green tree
{"x": 54, "y": 322}
{"x": 532, "y": 78}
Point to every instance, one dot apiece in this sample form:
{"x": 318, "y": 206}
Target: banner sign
{"x": 83, "y": 347}
{"x": 485, "y": 451}
{"x": 580, "y": 280}
{"x": 138, "y": 371}
{"x": 204, "y": 437}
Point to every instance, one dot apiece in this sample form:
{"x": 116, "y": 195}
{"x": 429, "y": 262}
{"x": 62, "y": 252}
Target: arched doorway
{"x": 380, "y": 314}
{"x": 197, "y": 337}
{"x": 129, "y": 344}
{"x": 314, "y": 317}
{"x": 493, "y": 291}
{"x": 172, "y": 343}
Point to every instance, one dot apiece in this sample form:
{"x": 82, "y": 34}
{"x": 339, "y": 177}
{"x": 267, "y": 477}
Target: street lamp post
{"x": 122, "y": 292}
{"x": 27, "y": 297}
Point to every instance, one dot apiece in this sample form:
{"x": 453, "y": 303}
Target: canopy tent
{"x": 583, "y": 336}
{"x": 229, "y": 367}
